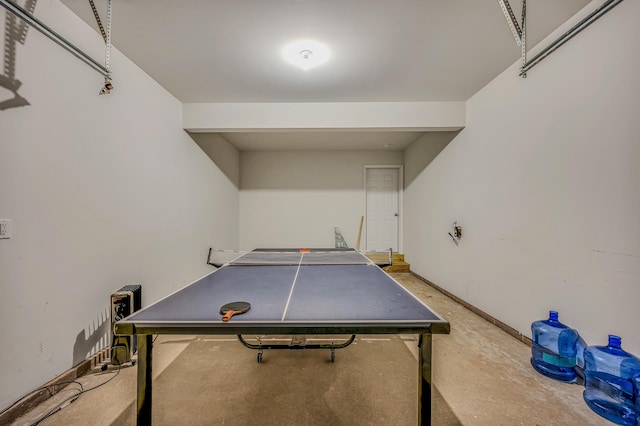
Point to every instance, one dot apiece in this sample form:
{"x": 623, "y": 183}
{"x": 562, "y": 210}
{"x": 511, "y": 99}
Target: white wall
{"x": 103, "y": 192}
{"x": 222, "y": 153}
{"x": 544, "y": 182}
{"x": 296, "y": 198}
{"x": 419, "y": 154}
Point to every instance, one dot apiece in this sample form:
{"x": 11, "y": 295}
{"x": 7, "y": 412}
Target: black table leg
{"x": 424, "y": 388}
{"x": 145, "y": 368}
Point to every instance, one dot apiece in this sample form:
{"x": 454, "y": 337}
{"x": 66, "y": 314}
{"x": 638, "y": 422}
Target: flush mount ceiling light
{"x": 306, "y": 54}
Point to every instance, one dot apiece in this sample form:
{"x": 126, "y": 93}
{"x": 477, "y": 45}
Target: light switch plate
{"x": 5, "y": 228}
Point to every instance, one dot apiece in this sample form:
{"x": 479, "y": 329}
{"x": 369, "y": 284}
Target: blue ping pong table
{"x": 292, "y": 292}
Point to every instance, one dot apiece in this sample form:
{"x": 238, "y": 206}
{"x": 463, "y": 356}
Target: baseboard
{"x": 46, "y": 391}
{"x": 504, "y": 327}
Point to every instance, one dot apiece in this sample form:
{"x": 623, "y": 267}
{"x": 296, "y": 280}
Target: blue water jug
{"x": 609, "y": 388}
{"x": 581, "y": 345}
{"x": 636, "y": 382}
{"x": 553, "y": 352}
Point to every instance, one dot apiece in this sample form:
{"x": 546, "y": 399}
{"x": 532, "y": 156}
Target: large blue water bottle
{"x": 636, "y": 382}
{"x": 581, "y": 345}
{"x": 609, "y": 388}
{"x": 553, "y": 352}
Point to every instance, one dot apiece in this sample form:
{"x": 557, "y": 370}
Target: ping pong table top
{"x": 291, "y": 291}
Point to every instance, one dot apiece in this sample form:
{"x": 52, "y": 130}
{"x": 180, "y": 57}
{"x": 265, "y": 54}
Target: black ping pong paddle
{"x": 234, "y": 308}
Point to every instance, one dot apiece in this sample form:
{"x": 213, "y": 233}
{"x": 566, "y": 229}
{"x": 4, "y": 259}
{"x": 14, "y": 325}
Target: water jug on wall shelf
{"x": 553, "y": 352}
{"x": 609, "y": 382}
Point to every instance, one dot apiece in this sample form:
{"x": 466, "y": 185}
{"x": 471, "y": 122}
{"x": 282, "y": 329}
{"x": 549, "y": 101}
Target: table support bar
{"x": 424, "y": 377}
{"x": 145, "y": 368}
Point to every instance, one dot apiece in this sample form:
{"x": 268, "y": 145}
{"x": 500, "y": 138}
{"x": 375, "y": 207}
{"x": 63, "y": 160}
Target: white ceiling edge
{"x": 320, "y": 141}
{"x": 323, "y": 116}
{"x": 328, "y": 130}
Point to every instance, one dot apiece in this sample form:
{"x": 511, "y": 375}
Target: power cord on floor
{"x": 72, "y": 398}
{"x": 47, "y": 388}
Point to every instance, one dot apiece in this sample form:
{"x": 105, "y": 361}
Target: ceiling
{"x": 380, "y": 50}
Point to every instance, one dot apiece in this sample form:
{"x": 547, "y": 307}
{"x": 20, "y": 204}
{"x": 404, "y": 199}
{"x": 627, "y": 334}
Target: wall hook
{"x": 457, "y": 233}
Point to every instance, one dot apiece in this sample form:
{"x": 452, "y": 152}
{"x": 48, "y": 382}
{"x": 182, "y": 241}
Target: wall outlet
{"x": 5, "y": 228}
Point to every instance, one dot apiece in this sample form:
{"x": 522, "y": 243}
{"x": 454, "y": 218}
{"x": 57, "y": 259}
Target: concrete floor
{"x": 481, "y": 376}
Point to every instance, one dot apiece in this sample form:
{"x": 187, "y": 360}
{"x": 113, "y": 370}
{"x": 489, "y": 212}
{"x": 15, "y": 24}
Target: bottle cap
{"x": 615, "y": 341}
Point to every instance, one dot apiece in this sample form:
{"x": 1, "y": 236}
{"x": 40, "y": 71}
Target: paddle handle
{"x": 228, "y": 316}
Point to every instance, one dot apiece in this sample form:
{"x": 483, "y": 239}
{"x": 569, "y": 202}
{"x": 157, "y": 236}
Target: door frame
{"x": 400, "y": 200}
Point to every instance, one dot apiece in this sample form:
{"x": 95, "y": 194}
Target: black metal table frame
{"x": 261, "y": 346}
{"x": 145, "y": 332}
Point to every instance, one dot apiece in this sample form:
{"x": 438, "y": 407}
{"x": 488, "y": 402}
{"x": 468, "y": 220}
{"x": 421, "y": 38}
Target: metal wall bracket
{"x": 519, "y": 31}
{"x": 584, "y": 23}
{"x": 34, "y": 22}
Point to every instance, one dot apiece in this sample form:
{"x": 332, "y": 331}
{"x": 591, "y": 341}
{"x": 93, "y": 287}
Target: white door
{"x": 383, "y": 208}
